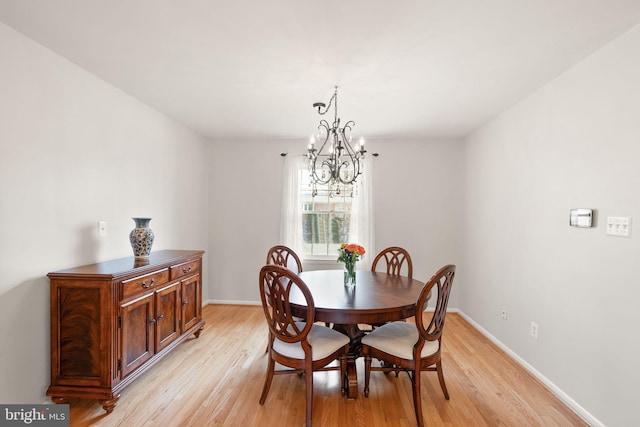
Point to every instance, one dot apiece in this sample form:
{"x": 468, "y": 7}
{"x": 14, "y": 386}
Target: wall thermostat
{"x": 581, "y": 217}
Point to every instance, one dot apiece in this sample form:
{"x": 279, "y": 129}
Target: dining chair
{"x": 396, "y": 260}
{"x": 303, "y": 346}
{"x": 285, "y": 257}
{"x": 413, "y": 347}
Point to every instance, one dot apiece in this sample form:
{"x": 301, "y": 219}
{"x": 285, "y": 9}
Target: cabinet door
{"x": 137, "y": 332}
{"x": 191, "y": 302}
{"x": 168, "y": 315}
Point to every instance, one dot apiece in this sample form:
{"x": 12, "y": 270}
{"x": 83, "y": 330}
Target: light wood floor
{"x": 216, "y": 380}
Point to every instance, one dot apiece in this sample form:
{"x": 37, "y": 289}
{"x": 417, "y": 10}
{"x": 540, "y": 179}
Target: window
{"x": 315, "y": 227}
{"x": 325, "y": 218}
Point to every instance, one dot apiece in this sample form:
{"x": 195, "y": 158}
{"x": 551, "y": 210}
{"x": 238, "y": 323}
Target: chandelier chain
{"x": 326, "y": 110}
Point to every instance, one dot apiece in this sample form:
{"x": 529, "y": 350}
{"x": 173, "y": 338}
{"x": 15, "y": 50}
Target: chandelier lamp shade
{"x": 336, "y": 163}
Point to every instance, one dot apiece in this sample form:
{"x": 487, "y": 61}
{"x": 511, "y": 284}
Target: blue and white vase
{"x": 141, "y": 238}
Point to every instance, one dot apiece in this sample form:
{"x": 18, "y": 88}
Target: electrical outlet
{"x": 503, "y": 313}
{"x": 534, "y": 330}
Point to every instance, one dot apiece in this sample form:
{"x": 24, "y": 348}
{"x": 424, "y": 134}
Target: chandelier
{"x": 336, "y": 163}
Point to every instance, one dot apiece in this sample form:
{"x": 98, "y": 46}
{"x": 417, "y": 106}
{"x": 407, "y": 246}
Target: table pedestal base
{"x": 351, "y": 376}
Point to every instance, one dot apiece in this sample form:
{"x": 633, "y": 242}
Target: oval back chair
{"x": 413, "y": 347}
{"x": 301, "y": 345}
{"x": 396, "y": 260}
{"x": 285, "y": 257}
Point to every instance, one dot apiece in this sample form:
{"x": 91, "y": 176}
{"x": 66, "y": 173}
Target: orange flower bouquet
{"x": 349, "y": 254}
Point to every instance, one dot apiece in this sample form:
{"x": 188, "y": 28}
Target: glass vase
{"x": 350, "y": 274}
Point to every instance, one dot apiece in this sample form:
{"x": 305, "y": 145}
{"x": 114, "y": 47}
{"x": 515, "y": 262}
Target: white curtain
{"x": 361, "y": 228}
{"x": 291, "y": 212}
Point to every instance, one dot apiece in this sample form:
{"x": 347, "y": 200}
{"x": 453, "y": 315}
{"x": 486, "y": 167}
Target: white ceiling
{"x": 245, "y": 69}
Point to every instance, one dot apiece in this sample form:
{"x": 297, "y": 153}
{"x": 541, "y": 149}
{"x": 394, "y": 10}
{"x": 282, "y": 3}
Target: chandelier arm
{"x": 346, "y": 131}
{"x": 325, "y": 166}
{"x": 314, "y": 174}
{"x": 324, "y": 125}
{"x": 355, "y": 164}
{"x": 350, "y": 162}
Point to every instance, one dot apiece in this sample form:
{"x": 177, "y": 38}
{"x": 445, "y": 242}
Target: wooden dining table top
{"x": 377, "y": 297}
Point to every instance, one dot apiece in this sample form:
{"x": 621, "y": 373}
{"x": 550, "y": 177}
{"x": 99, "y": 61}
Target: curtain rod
{"x": 284, "y": 154}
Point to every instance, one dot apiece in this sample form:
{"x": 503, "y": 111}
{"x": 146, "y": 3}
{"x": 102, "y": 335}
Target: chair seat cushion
{"x": 398, "y": 339}
{"x": 323, "y": 341}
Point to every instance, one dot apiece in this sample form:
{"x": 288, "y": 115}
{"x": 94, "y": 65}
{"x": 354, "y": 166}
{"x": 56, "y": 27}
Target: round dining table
{"x": 376, "y": 298}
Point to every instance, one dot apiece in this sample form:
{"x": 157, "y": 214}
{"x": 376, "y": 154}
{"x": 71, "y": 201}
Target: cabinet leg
{"x": 109, "y": 404}
{"x": 198, "y": 332}
{"x": 60, "y": 399}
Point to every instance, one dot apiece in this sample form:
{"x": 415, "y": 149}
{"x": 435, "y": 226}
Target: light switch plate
{"x": 619, "y": 226}
{"x": 102, "y": 228}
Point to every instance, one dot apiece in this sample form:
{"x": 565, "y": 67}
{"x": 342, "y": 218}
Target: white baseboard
{"x": 583, "y": 413}
{"x": 230, "y": 302}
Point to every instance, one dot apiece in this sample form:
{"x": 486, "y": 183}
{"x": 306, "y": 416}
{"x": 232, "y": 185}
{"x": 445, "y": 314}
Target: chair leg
{"x": 441, "y": 379}
{"x": 267, "y": 381}
{"x": 266, "y": 350}
{"x": 367, "y": 374}
{"x": 417, "y": 402}
{"x": 309, "y": 385}
{"x": 343, "y": 374}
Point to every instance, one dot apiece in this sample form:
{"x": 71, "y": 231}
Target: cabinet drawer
{"x": 141, "y": 283}
{"x": 185, "y": 269}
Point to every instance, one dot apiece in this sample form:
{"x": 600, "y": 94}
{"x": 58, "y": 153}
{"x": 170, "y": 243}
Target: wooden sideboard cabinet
{"x": 111, "y": 321}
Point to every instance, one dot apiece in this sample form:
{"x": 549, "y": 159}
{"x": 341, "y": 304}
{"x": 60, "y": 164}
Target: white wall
{"x": 573, "y": 143}
{"x": 74, "y": 151}
{"x": 418, "y": 198}
{"x": 244, "y": 220}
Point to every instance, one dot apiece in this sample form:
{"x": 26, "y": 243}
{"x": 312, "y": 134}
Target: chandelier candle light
{"x": 336, "y": 162}
{"x": 349, "y": 254}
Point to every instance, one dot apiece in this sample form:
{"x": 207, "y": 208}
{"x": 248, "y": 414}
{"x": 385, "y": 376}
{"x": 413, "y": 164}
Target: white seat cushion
{"x": 323, "y": 341}
{"x": 398, "y": 339}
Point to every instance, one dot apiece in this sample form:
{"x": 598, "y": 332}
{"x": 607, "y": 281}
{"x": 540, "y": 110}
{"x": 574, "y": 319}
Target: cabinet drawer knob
{"x": 144, "y": 284}
{"x": 186, "y": 269}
